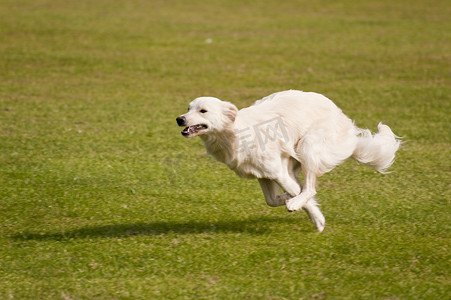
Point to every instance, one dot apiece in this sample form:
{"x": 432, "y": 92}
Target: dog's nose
{"x": 181, "y": 121}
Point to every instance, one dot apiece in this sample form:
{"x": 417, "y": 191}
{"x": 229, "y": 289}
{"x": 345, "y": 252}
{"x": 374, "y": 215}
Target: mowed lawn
{"x": 102, "y": 198}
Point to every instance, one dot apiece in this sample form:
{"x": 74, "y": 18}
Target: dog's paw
{"x": 319, "y": 223}
{"x": 293, "y": 204}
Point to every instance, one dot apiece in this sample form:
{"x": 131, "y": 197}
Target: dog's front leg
{"x": 308, "y": 192}
{"x": 290, "y": 186}
{"x": 270, "y": 190}
{"x": 298, "y": 199}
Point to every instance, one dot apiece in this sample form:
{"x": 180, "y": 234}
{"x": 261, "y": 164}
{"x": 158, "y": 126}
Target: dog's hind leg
{"x": 311, "y": 206}
{"x": 315, "y": 215}
{"x": 270, "y": 190}
{"x": 295, "y": 199}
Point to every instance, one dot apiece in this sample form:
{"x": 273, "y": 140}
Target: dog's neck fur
{"x": 221, "y": 146}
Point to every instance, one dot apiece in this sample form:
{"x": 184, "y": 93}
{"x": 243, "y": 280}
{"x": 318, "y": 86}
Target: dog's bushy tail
{"x": 377, "y": 150}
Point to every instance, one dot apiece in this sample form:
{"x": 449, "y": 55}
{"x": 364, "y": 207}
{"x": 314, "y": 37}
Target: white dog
{"x": 280, "y": 136}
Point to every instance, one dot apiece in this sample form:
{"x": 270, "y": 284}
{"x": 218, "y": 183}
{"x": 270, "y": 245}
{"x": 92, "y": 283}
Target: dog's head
{"x": 206, "y": 115}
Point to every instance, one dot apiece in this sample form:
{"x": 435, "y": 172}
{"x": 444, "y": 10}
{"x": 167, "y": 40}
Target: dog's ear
{"x": 230, "y": 111}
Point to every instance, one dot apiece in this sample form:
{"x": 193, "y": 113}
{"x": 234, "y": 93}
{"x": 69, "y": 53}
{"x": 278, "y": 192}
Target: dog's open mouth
{"x": 194, "y": 130}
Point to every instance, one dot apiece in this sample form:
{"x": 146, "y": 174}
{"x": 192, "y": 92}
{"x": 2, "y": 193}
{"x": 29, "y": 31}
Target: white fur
{"x": 313, "y": 136}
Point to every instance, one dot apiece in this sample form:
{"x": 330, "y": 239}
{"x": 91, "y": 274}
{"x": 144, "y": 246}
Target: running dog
{"x": 282, "y": 135}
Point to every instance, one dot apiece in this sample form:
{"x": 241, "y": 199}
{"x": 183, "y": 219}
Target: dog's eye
{"x": 203, "y": 111}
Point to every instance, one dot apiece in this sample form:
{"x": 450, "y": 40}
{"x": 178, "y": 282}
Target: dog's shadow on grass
{"x": 254, "y": 226}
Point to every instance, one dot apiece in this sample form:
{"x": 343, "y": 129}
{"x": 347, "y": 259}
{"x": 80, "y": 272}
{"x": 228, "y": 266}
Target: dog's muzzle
{"x": 181, "y": 121}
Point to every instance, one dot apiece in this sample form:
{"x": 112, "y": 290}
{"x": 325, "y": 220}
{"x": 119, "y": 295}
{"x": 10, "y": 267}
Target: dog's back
{"x": 319, "y": 134}
{"x": 298, "y": 110}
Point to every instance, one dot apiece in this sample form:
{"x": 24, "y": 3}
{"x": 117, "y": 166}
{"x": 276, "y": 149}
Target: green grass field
{"x": 102, "y": 198}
